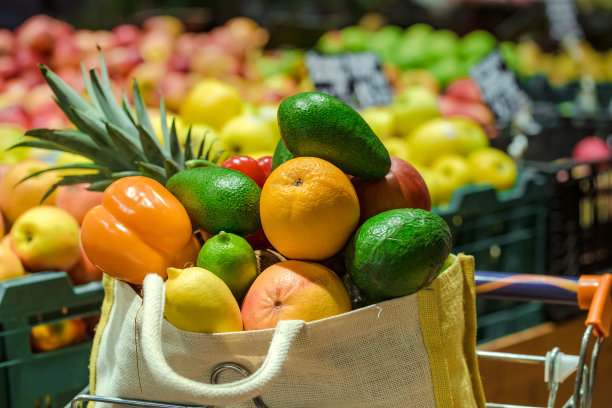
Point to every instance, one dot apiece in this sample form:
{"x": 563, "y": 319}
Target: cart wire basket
{"x": 588, "y": 292}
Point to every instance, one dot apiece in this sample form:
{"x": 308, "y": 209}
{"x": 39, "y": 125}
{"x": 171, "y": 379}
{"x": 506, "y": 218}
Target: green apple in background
{"x": 412, "y": 107}
{"x": 452, "y": 171}
{"x": 476, "y": 44}
{"x": 248, "y": 133}
{"x": 492, "y": 166}
{"x": 412, "y": 48}
{"x": 355, "y": 38}
{"x": 385, "y": 42}
{"x": 331, "y": 42}
{"x": 441, "y": 44}
{"x": 448, "y": 68}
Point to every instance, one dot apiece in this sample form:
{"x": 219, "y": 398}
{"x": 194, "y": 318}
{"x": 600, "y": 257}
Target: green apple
{"x": 46, "y": 238}
{"x": 414, "y": 106}
{"x": 452, "y": 172}
{"x": 248, "y": 133}
{"x": 492, "y": 166}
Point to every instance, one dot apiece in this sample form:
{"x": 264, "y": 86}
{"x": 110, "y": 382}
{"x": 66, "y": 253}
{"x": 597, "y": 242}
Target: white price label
{"x": 499, "y": 88}
{"x": 562, "y": 19}
{"x": 356, "y": 79}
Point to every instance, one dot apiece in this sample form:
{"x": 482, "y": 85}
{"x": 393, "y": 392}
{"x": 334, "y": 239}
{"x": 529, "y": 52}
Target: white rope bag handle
{"x": 208, "y": 394}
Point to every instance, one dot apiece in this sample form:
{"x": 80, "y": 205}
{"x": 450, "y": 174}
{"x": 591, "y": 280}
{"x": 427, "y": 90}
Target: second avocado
{"x": 319, "y": 125}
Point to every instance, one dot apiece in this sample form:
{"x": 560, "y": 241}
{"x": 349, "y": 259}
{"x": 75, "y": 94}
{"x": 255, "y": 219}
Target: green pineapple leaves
{"x": 117, "y": 137}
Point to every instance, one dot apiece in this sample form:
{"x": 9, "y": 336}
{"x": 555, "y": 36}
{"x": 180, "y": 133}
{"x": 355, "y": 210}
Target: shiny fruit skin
{"x": 293, "y": 290}
{"x": 139, "y": 228}
{"x": 402, "y": 187}
{"x": 246, "y": 165}
{"x": 308, "y": 209}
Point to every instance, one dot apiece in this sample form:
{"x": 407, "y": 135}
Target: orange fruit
{"x": 293, "y": 290}
{"x": 308, "y": 209}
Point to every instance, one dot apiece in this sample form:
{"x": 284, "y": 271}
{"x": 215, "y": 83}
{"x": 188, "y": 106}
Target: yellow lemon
{"x": 197, "y": 300}
{"x": 211, "y": 102}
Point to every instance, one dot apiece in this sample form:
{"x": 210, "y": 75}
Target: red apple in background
{"x": 465, "y": 89}
{"x": 451, "y": 106}
{"x": 7, "y": 42}
{"x": 402, "y": 187}
{"x": 77, "y": 200}
{"x": 84, "y": 271}
{"x": 126, "y": 34}
{"x": 15, "y": 114}
{"x": 66, "y": 52}
{"x": 590, "y": 149}
{"x": 8, "y": 67}
{"x": 37, "y": 33}
{"x": 28, "y": 59}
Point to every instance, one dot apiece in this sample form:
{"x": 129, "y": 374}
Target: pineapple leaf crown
{"x": 118, "y": 142}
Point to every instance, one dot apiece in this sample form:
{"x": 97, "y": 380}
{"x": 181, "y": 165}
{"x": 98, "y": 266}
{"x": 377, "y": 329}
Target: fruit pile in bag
{"x": 332, "y": 222}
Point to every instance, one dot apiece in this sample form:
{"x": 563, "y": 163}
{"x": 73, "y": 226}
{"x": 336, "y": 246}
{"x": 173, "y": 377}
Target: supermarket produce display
{"x": 258, "y": 192}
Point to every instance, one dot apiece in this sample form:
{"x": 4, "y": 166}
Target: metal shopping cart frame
{"x": 588, "y": 292}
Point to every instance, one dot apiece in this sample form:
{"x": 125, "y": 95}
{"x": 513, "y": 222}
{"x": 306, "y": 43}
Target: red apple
{"x": 402, "y": 187}
{"x": 7, "y": 42}
{"x": 8, "y": 67}
{"x": 66, "y": 53}
{"x": 126, "y": 34}
{"x": 37, "y": 33}
{"x": 590, "y": 149}
{"x": 17, "y": 115}
{"x": 27, "y": 58}
{"x": 84, "y": 271}
{"x": 465, "y": 89}
{"x": 452, "y": 106}
{"x": 121, "y": 60}
{"x": 77, "y": 200}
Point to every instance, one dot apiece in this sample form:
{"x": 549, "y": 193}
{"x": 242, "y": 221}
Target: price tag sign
{"x": 499, "y": 88}
{"x": 356, "y": 79}
{"x": 562, "y": 19}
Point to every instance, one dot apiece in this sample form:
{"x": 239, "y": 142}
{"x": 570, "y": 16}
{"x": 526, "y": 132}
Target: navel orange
{"x": 308, "y": 209}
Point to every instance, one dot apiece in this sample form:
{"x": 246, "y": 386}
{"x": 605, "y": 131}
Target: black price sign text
{"x": 356, "y": 79}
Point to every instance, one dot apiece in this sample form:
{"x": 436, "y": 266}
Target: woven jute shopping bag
{"x": 413, "y": 351}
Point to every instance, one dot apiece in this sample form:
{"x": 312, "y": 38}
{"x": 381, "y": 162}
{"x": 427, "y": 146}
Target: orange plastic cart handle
{"x": 594, "y": 294}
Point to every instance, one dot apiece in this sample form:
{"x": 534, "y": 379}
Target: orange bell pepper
{"x": 139, "y": 228}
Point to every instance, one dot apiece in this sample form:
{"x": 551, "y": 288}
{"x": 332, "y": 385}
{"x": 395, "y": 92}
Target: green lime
{"x": 232, "y": 259}
{"x": 218, "y": 199}
{"x": 397, "y": 252}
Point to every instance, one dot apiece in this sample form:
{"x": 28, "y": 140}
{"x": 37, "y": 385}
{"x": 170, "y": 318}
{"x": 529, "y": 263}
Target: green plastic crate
{"x": 46, "y": 379}
{"x": 506, "y": 232}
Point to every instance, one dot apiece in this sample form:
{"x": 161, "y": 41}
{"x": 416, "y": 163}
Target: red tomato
{"x": 246, "y": 165}
{"x": 265, "y": 163}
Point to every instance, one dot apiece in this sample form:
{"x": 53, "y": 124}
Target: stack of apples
{"x": 42, "y": 235}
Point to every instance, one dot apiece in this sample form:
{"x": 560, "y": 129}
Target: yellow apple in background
{"x": 397, "y": 146}
{"x": 46, "y": 238}
{"x": 1, "y": 225}
{"x": 492, "y": 166}
{"x": 16, "y": 198}
{"x": 380, "y": 119}
{"x": 248, "y": 133}
{"x": 452, "y": 171}
{"x": 211, "y": 102}
{"x": 10, "y": 265}
{"x": 433, "y": 184}
{"x": 470, "y": 134}
{"x": 433, "y": 139}
{"x": 412, "y": 107}
{"x": 9, "y": 136}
